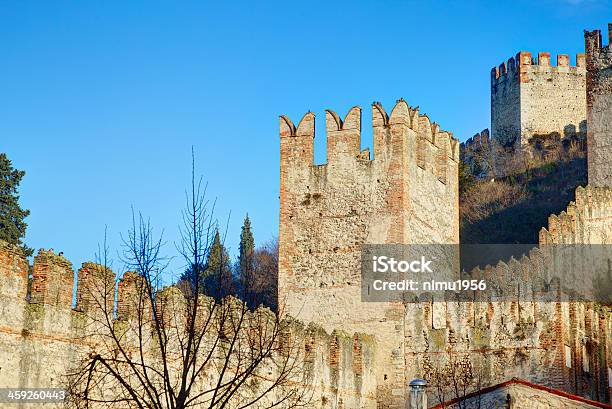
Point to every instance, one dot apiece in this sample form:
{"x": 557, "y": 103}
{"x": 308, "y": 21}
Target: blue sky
{"x": 102, "y": 101}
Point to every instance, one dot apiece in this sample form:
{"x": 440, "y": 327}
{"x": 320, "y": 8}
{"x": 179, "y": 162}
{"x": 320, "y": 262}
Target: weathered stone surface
{"x": 406, "y": 194}
{"x": 361, "y": 355}
{"x": 478, "y": 153}
{"x": 599, "y": 108}
{"x": 43, "y": 338}
{"x": 533, "y": 98}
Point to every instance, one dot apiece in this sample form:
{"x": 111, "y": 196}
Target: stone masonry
{"x": 43, "y": 337}
{"x": 533, "y": 98}
{"x": 547, "y": 340}
{"x": 599, "y": 106}
{"x": 408, "y": 193}
{"x": 357, "y": 354}
{"x": 477, "y": 153}
{"x": 329, "y": 211}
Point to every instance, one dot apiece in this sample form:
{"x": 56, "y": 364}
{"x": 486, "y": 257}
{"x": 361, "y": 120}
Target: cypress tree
{"x": 246, "y": 260}
{"x": 12, "y": 224}
{"x": 218, "y": 281}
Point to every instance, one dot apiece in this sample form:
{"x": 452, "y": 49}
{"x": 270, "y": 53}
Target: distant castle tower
{"x": 599, "y": 107}
{"x": 532, "y": 98}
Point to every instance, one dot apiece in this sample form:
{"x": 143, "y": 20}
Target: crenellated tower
{"x": 407, "y": 193}
{"x": 599, "y": 107}
{"x": 532, "y": 98}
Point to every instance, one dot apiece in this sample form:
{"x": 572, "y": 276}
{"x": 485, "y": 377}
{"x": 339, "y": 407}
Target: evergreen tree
{"x": 12, "y": 224}
{"x": 246, "y": 261}
{"x": 187, "y": 281}
{"x": 466, "y": 178}
{"x": 217, "y": 279}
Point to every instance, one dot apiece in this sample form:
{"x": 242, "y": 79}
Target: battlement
{"x": 571, "y": 225}
{"x": 481, "y": 140}
{"x": 477, "y": 153}
{"x": 549, "y": 342}
{"x": 521, "y": 64}
{"x": 332, "y": 209}
{"x": 95, "y": 287}
{"x": 532, "y": 97}
{"x": 528, "y": 315}
{"x": 52, "y": 280}
{"x": 344, "y": 136}
{"x": 594, "y": 40}
{"x": 132, "y": 298}
{"x": 44, "y": 338}
{"x": 407, "y": 193}
{"x": 14, "y": 267}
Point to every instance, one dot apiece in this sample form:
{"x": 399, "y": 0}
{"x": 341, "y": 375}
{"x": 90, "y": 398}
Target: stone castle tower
{"x": 408, "y": 193}
{"x": 533, "y": 98}
{"x": 599, "y": 103}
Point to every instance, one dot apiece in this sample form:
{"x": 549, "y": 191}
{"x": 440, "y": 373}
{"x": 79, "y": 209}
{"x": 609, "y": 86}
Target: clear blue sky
{"x": 102, "y": 101}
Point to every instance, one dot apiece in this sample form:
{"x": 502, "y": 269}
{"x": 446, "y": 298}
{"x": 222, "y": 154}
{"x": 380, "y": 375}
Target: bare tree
{"x": 171, "y": 348}
{"x": 261, "y": 282}
{"x": 453, "y": 376}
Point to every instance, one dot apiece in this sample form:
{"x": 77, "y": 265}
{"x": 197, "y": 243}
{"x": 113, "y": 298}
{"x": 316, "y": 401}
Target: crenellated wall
{"x": 37, "y": 341}
{"x": 502, "y": 339}
{"x": 529, "y": 336}
{"x": 42, "y": 337}
{"x": 406, "y": 193}
{"x": 478, "y": 152}
{"x": 587, "y": 220}
{"x": 534, "y": 98}
{"x": 599, "y": 107}
{"x": 402, "y": 196}
{"x": 476, "y": 143}
{"x": 358, "y": 354}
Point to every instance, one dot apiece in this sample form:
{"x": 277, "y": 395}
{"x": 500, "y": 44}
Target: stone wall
{"x": 478, "y": 153}
{"x": 526, "y": 337}
{"x": 357, "y": 354}
{"x": 406, "y": 193}
{"x": 599, "y": 107}
{"x": 43, "y": 338}
{"x": 506, "y": 103}
{"x": 37, "y": 331}
{"x": 533, "y": 98}
{"x": 329, "y": 211}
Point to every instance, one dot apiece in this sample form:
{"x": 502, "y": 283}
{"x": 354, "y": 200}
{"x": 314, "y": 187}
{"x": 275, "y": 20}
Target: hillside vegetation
{"x": 513, "y": 208}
